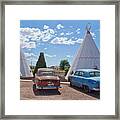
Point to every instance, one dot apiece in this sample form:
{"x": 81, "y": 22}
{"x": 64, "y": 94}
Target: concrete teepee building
{"x": 88, "y": 55}
{"x": 25, "y": 70}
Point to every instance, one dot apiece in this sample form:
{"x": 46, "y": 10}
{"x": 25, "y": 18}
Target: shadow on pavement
{"x": 92, "y": 93}
{"x": 46, "y": 92}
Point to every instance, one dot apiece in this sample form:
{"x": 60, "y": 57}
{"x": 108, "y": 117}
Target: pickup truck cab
{"x": 45, "y": 78}
{"x": 88, "y": 79}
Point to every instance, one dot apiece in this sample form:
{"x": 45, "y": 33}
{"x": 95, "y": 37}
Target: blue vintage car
{"x": 88, "y": 79}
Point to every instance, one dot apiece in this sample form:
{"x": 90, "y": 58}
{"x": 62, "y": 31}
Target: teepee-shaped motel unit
{"x": 88, "y": 55}
{"x": 25, "y": 71}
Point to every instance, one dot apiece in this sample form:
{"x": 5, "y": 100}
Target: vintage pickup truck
{"x": 88, "y": 79}
{"x": 45, "y": 78}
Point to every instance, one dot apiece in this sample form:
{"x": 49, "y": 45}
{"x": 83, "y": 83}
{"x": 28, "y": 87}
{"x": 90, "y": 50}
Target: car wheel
{"x": 71, "y": 84}
{"x": 86, "y": 89}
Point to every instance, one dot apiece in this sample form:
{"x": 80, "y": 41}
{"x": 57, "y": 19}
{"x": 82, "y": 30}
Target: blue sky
{"x": 58, "y": 39}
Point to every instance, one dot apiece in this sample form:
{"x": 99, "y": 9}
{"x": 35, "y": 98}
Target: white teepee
{"x": 25, "y": 70}
{"x": 87, "y": 57}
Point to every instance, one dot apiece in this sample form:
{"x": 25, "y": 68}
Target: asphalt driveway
{"x": 64, "y": 93}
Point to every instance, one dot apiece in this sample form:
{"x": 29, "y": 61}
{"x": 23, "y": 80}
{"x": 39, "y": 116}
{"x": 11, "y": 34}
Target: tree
{"x": 64, "y": 64}
{"x": 40, "y": 63}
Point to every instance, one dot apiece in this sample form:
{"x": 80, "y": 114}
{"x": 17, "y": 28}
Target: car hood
{"x": 95, "y": 78}
{"x": 47, "y": 77}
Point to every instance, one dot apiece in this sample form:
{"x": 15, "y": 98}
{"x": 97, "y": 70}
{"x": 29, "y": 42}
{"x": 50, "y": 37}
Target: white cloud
{"x": 93, "y": 35}
{"x": 45, "y": 48}
{"x": 59, "y": 26}
{"x": 35, "y": 34}
{"x": 45, "y": 27}
{"x": 47, "y": 55}
{"x": 28, "y": 45}
{"x": 24, "y": 39}
{"x": 78, "y": 31}
{"x": 29, "y": 37}
{"x": 47, "y": 35}
{"x": 69, "y": 56}
{"x": 69, "y": 33}
{"x": 59, "y": 40}
{"x": 31, "y": 58}
{"x": 28, "y": 55}
{"x": 65, "y": 40}
{"x": 62, "y": 33}
{"x": 29, "y": 31}
{"x": 30, "y": 34}
{"x": 79, "y": 40}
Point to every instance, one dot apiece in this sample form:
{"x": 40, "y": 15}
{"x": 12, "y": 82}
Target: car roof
{"x": 88, "y": 70}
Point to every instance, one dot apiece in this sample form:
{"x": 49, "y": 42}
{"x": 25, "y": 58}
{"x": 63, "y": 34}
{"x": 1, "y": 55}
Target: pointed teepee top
{"x": 88, "y": 28}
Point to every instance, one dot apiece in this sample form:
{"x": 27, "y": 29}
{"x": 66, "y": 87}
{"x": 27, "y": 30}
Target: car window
{"x": 94, "y": 74}
{"x": 76, "y": 73}
{"x": 79, "y": 73}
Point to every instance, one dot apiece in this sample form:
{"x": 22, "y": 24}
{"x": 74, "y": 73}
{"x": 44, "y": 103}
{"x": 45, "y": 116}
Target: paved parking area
{"x": 65, "y": 93}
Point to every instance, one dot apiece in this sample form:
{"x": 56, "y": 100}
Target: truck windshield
{"x": 94, "y": 74}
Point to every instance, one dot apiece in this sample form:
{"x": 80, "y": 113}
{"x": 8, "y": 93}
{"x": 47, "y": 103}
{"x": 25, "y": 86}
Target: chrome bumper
{"x": 48, "y": 87}
{"x": 96, "y": 89}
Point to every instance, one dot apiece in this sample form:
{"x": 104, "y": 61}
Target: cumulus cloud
{"x": 65, "y": 40}
{"x": 45, "y": 48}
{"x": 51, "y": 56}
{"x": 28, "y": 55}
{"x": 30, "y": 37}
{"x": 59, "y": 26}
{"x": 93, "y": 35}
{"x": 69, "y": 33}
{"x": 78, "y": 31}
{"x": 59, "y": 40}
{"x": 30, "y": 34}
{"x": 31, "y": 57}
{"x": 69, "y": 56}
{"x": 35, "y": 34}
{"x": 28, "y": 45}
{"x": 45, "y": 27}
{"x": 79, "y": 40}
{"x": 62, "y": 33}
